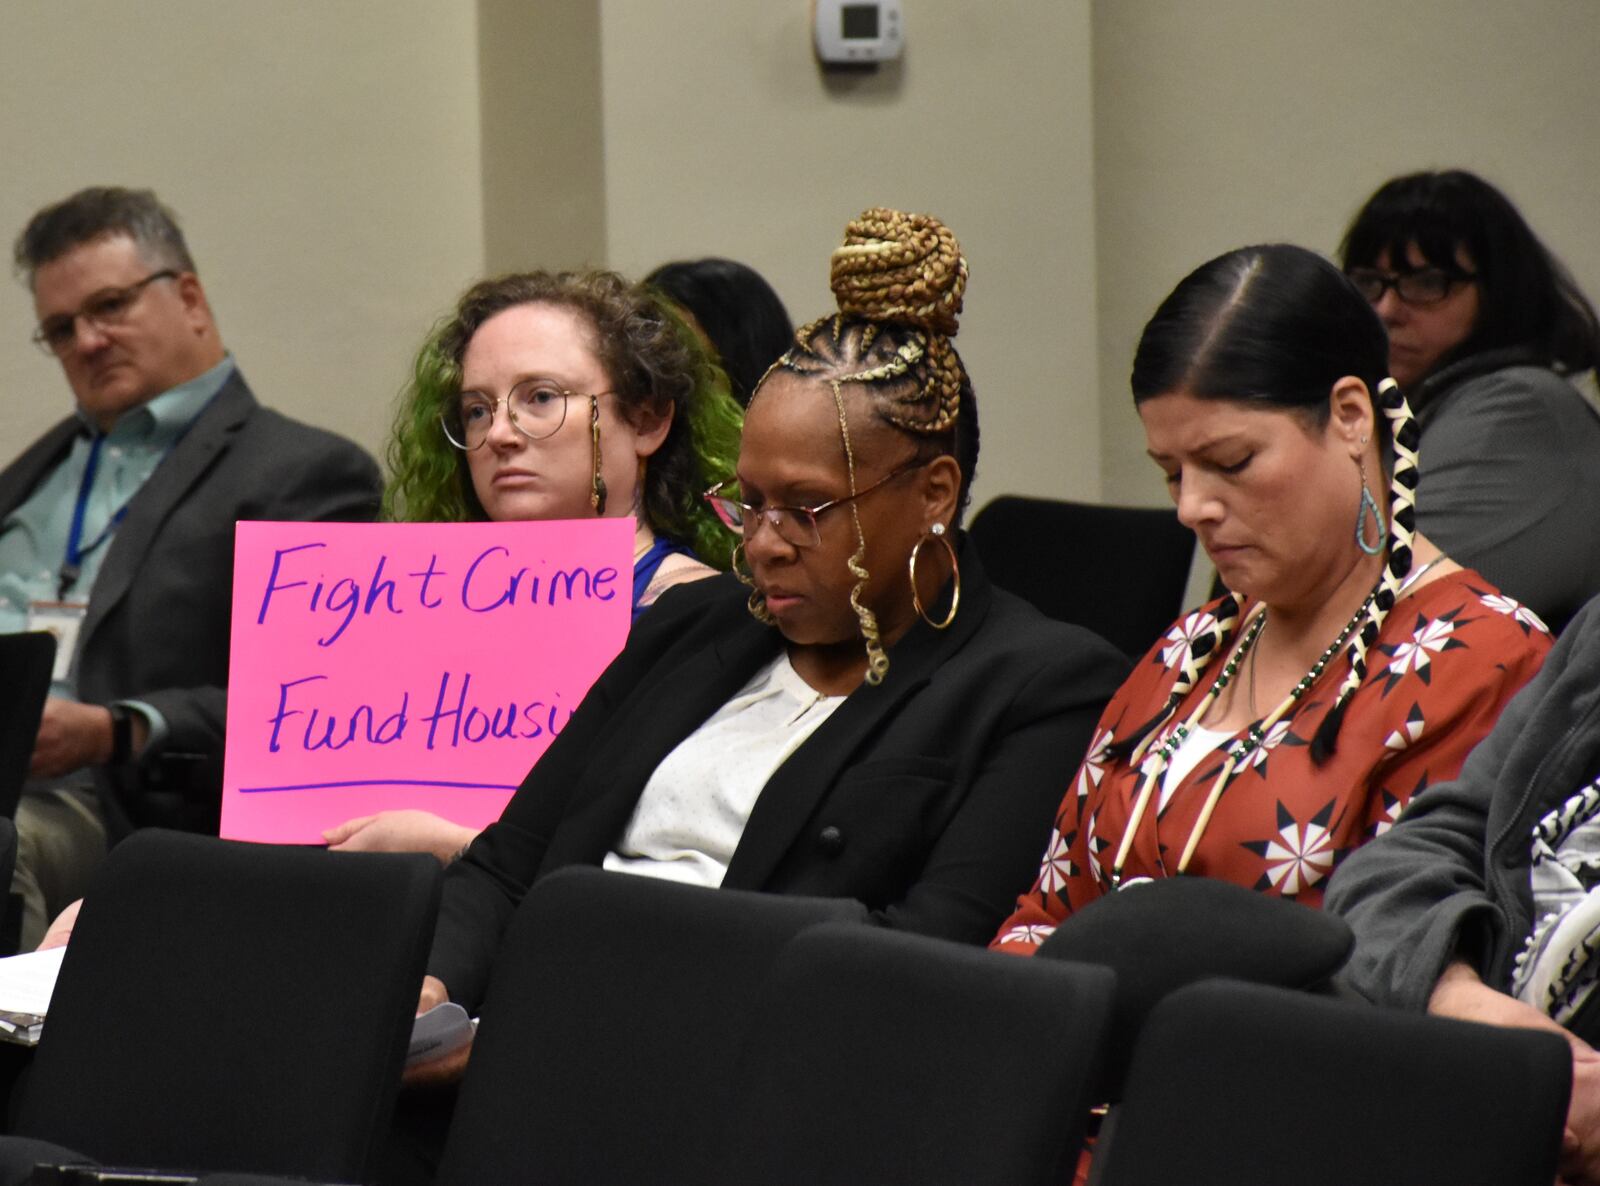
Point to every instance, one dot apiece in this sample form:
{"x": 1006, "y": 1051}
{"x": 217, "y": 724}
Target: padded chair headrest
{"x": 1161, "y": 935}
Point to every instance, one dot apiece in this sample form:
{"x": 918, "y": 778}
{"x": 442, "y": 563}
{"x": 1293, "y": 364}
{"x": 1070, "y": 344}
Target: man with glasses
{"x": 116, "y": 532}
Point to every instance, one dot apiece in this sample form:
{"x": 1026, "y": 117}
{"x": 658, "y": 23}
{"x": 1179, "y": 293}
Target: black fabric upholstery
{"x": 8, "y": 850}
{"x": 10, "y": 906}
{"x": 1120, "y": 571}
{"x": 25, "y": 663}
{"x": 20, "y": 1155}
{"x": 227, "y": 1006}
{"x": 1160, "y": 935}
{"x": 1242, "y": 1085}
{"x": 612, "y": 1019}
{"x": 889, "y": 1058}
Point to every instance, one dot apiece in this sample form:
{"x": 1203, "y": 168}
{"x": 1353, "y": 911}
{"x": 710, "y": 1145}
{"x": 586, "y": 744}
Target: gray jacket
{"x": 157, "y": 629}
{"x": 1510, "y": 478}
{"x": 1452, "y": 876}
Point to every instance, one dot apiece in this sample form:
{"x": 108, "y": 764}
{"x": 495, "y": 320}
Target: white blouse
{"x": 694, "y": 808}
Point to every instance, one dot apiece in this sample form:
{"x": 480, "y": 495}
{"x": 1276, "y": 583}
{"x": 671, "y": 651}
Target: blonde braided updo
{"x": 899, "y": 280}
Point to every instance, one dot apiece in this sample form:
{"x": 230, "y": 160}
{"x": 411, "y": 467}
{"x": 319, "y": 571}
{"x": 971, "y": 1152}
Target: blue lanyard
{"x": 72, "y": 566}
{"x": 76, "y": 548}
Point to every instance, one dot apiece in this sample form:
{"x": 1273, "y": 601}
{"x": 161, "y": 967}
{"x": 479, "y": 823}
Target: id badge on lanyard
{"x": 64, "y": 619}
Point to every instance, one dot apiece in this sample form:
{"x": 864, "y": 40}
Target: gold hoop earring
{"x": 757, "y": 604}
{"x": 597, "y": 490}
{"x": 746, "y": 578}
{"x": 936, "y": 532}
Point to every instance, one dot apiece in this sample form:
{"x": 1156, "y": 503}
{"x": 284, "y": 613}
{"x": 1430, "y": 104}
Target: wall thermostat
{"x": 858, "y": 32}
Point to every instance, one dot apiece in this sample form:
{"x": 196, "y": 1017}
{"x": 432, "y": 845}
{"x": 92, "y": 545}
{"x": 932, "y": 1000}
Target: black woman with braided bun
{"x": 1350, "y": 664}
{"x": 864, "y": 716}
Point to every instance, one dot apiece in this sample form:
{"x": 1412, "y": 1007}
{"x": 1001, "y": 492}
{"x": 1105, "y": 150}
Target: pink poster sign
{"x": 425, "y": 665}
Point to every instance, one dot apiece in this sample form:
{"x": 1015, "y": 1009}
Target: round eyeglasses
{"x": 536, "y": 407}
{"x": 1424, "y": 286}
{"x": 796, "y": 526}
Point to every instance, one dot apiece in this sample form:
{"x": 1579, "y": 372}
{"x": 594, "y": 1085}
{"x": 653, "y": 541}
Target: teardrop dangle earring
{"x": 1369, "y": 506}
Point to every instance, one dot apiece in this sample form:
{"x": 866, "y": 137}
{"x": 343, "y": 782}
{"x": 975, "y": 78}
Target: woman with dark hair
{"x": 1353, "y": 663}
{"x": 1485, "y": 329}
{"x": 742, "y": 319}
{"x": 866, "y": 717}
{"x": 560, "y": 396}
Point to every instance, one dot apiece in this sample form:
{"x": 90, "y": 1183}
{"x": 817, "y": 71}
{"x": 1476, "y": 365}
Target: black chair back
{"x": 889, "y": 1058}
{"x": 1240, "y": 1085}
{"x": 227, "y": 1006}
{"x": 1161, "y": 935}
{"x": 610, "y": 1027}
{"x": 1120, "y": 571}
{"x": 25, "y": 664}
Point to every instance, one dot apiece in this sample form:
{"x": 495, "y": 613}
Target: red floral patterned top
{"x": 1450, "y": 655}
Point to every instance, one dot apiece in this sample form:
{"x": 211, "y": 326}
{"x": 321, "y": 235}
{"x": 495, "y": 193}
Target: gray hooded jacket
{"x": 1451, "y": 877}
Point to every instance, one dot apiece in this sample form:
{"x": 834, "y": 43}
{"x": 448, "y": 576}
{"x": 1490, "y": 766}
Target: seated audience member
{"x": 742, "y": 319}
{"x": 1352, "y": 663}
{"x": 870, "y": 719}
{"x": 1481, "y": 902}
{"x": 1485, "y": 328}
{"x": 560, "y": 396}
{"x": 116, "y": 531}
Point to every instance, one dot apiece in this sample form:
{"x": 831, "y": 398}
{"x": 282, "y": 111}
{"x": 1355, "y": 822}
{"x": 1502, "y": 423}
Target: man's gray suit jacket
{"x": 157, "y": 627}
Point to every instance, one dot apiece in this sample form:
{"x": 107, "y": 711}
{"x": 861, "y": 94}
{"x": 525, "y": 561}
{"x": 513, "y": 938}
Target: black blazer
{"x": 928, "y": 797}
{"x": 157, "y": 629}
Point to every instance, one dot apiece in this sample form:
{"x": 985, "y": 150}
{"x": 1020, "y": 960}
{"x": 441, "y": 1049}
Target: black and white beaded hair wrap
{"x": 1402, "y": 534}
{"x": 1211, "y": 641}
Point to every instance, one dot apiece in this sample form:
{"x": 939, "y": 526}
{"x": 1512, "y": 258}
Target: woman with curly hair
{"x": 560, "y": 396}
{"x": 612, "y": 408}
{"x": 866, "y": 717}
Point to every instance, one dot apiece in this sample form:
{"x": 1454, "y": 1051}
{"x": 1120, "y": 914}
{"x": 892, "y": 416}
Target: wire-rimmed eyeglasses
{"x": 1422, "y": 286}
{"x": 796, "y": 526}
{"x": 536, "y": 407}
{"x": 100, "y": 310}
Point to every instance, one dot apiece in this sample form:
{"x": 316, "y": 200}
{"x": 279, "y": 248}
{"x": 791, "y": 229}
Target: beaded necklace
{"x": 1153, "y": 763}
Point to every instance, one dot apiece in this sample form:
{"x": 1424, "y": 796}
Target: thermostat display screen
{"x": 853, "y": 32}
{"x": 858, "y": 22}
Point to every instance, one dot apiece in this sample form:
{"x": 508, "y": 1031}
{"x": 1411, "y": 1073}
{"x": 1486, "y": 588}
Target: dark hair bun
{"x": 900, "y": 267}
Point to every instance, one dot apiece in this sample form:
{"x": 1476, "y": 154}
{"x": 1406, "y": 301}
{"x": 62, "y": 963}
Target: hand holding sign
{"x": 401, "y": 831}
{"x": 421, "y": 665}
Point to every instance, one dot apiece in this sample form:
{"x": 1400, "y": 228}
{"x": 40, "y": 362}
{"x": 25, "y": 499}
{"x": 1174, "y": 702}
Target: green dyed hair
{"x": 654, "y": 361}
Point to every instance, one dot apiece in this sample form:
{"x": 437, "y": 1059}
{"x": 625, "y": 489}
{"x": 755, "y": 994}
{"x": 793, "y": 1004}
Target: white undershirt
{"x": 1191, "y": 751}
{"x": 1198, "y": 742}
{"x": 694, "y": 807}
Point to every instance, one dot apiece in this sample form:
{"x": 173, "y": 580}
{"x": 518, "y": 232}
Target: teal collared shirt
{"x": 34, "y": 537}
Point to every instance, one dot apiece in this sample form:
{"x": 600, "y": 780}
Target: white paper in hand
{"x": 440, "y": 1031}
{"x": 26, "y": 983}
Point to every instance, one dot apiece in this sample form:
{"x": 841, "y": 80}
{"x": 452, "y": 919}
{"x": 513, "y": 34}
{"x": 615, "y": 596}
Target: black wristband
{"x": 121, "y": 734}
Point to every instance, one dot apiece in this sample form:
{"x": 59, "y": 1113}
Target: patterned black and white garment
{"x": 1559, "y": 965}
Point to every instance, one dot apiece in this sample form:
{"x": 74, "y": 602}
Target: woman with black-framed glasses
{"x": 866, "y": 717}
{"x": 1486, "y": 330}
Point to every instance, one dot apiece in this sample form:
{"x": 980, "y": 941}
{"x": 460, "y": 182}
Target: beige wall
{"x": 723, "y": 136}
{"x": 344, "y": 167}
{"x": 324, "y": 157}
{"x": 543, "y": 151}
{"x": 1241, "y": 121}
